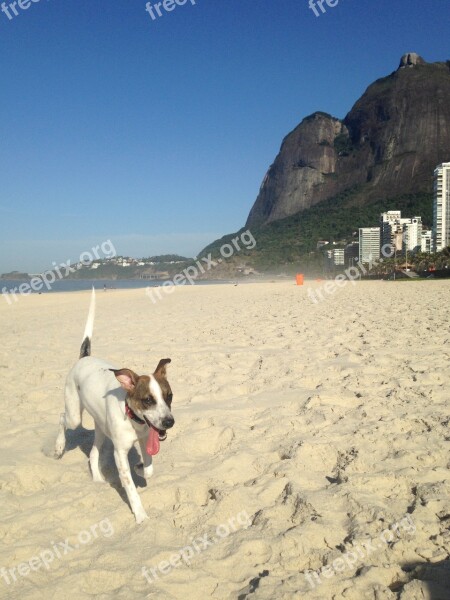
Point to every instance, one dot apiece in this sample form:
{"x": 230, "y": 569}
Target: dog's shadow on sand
{"x": 84, "y": 440}
{"x": 435, "y": 578}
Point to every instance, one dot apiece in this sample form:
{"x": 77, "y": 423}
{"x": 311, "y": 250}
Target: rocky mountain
{"x": 387, "y": 146}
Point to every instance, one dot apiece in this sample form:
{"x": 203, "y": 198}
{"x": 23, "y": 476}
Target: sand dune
{"x": 309, "y": 438}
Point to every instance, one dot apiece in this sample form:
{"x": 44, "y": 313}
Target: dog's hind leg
{"x": 71, "y": 418}
{"x": 72, "y": 403}
{"x": 95, "y": 455}
{"x": 60, "y": 444}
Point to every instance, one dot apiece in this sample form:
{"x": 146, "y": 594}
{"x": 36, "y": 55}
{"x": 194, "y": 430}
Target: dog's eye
{"x": 149, "y": 401}
{"x": 169, "y": 398}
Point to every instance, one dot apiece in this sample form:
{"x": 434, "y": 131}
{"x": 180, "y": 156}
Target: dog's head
{"x": 149, "y": 397}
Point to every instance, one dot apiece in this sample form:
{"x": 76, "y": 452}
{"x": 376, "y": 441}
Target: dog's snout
{"x": 168, "y": 422}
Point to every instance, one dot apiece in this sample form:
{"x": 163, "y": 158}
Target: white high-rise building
{"x": 369, "y": 244}
{"x": 404, "y": 235}
{"x": 336, "y": 256}
{"x": 426, "y": 244}
{"x": 388, "y": 220}
{"x": 412, "y": 234}
{"x": 441, "y": 207}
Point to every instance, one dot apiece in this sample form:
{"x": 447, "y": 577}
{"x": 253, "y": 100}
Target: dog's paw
{"x": 98, "y": 479}
{"x": 146, "y": 472}
{"x": 140, "y": 516}
{"x": 59, "y": 451}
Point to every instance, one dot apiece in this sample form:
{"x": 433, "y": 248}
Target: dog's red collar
{"x": 132, "y": 415}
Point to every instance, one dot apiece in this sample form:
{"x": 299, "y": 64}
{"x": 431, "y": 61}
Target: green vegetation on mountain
{"x": 289, "y": 244}
{"x": 167, "y": 258}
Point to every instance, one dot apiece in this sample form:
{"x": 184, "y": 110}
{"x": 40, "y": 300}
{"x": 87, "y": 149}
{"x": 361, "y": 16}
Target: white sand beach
{"x": 305, "y": 433}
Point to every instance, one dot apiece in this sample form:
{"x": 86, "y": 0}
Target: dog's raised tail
{"x": 85, "y": 349}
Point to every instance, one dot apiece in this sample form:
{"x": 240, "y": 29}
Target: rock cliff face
{"x": 387, "y": 145}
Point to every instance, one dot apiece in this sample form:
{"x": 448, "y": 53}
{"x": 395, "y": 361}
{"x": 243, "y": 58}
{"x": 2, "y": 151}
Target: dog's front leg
{"x": 123, "y": 466}
{"x": 145, "y": 469}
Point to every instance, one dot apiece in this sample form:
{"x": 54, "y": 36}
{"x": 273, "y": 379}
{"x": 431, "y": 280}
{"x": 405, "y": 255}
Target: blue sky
{"x": 156, "y": 134}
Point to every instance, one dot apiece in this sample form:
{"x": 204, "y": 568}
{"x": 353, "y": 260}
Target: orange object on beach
{"x": 299, "y": 278}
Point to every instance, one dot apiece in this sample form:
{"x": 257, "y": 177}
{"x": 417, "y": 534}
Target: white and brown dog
{"x": 139, "y": 409}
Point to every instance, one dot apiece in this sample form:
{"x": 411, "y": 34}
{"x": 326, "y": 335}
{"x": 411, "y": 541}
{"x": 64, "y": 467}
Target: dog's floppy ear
{"x": 127, "y": 378}
{"x": 160, "y": 370}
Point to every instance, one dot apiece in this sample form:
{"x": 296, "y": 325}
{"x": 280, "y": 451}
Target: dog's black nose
{"x": 168, "y": 422}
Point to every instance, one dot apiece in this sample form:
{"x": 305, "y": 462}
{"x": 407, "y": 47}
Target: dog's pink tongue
{"x": 152, "y": 442}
